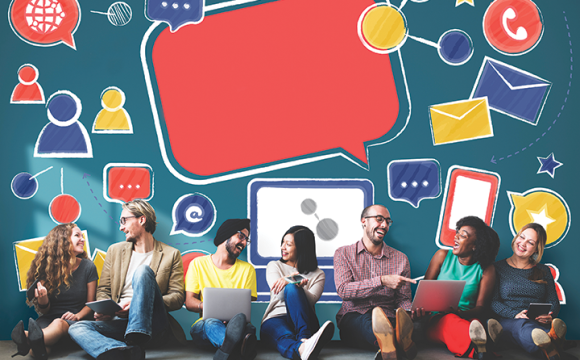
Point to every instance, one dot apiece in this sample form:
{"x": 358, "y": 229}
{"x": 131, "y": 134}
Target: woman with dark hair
{"x": 522, "y": 280}
{"x": 67, "y": 279}
{"x": 290, "y": 321}
{"x": 475, "y": 249}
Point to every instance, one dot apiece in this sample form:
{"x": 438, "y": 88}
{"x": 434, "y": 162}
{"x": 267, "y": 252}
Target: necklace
{"x": 520, "y": 268}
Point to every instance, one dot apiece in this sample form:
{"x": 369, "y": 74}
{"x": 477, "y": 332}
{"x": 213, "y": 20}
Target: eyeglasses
{"x": 243, "y": 237}
{"x": 380, "y": 219}
{"x": 123, "y": 220}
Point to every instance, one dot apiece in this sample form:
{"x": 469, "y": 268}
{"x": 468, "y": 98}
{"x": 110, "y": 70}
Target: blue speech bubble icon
{"x": 414, "y": 180}
{"x": 176, "y": 13}
{"x": 193, "y": 215}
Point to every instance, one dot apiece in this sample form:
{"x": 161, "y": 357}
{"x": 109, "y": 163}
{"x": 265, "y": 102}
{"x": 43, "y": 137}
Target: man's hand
{"x": 395, "y": 281}
{"x": 70, "y": 316}
{"x": 124, "y": 312}
{"x": 102, "y": 317}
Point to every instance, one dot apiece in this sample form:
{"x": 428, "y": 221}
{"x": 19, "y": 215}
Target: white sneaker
{"x": 314, "y": 344}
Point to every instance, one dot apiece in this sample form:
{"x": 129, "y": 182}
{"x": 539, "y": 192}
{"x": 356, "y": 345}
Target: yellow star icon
{"x": 459, "y": 2}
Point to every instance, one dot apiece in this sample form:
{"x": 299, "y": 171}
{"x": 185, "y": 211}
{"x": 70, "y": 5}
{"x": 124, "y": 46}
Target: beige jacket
{"x": 166, "y": 265}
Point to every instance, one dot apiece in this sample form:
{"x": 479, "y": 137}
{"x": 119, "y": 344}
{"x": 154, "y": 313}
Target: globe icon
{"x": 44, "y": 16}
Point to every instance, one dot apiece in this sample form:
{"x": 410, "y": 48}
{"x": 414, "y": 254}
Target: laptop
{"x": 224, "y": 303}
{"x": 438, "y": 295}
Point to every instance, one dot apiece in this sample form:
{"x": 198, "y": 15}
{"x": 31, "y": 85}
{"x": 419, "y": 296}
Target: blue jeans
{"x": 211, "y": 332}
{"x": 147, "y": 315}
{"x": 300, "y": 322}
{"x": 356, "y": 330}
{"x": 519, "y": 332}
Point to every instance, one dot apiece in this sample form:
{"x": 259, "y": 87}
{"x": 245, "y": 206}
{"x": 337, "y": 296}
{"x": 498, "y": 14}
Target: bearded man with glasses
{"x": 374, "y": 282}
{"x": 145, "y": 277}
{"x": 223, "y": 269}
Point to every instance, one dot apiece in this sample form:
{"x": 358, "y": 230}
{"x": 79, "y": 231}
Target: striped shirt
{"x": 357, "y": 276}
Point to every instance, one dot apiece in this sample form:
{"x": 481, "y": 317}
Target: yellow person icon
{"x": 543, "y": 206}
{"x": 113, "y": 119}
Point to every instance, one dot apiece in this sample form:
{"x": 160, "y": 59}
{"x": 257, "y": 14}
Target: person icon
{"x": 113, "y": 119}
{"x": 27, "y": 91}
{"x": 64, "y": 136}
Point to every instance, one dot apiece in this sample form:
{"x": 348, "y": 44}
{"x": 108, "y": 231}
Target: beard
{"x": 231, "y": 249}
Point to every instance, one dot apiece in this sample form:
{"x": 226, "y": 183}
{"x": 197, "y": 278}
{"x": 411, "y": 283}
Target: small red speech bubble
{"x": 271, "y": 82}
{"x": 45, "y": 22}
{"x": 64, "y": 209}
{"x": 126, "y": 182}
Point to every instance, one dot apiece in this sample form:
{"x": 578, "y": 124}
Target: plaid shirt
{"x": 357, "y": 276}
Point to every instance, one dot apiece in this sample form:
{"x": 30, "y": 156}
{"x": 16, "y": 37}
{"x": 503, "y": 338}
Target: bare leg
{"x": 52, "y": 333}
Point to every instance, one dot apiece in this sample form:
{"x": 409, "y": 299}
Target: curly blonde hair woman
{"x": 67, "y": 279}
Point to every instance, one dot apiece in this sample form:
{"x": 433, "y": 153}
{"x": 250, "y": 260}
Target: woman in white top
{"x": 290, "y": 321}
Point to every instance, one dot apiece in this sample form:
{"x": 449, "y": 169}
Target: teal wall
{"x": 108, "y": 55}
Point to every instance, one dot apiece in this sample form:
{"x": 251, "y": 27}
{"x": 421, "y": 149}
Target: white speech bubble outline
{"x": 106, "y": 172}
{"x": 184, "y": 232}
{"x": 284, "y": 164}
{"x": 412, "y": 160}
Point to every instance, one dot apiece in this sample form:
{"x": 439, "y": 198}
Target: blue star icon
{"x": 549, "y": 165}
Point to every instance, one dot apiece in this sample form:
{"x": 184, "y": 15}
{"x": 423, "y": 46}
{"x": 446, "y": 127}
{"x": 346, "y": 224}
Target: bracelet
{"x": 40, "y": 306}
{"x": 199, "y": 306}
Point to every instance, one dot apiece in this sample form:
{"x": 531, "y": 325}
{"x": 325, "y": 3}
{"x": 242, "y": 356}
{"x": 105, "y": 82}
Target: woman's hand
{"x": 545, "y": 319}
{"x": 70, "y": 316}
{"x": 279, "y": 285}
{"x": 522, "y": 315}
{"x": 302, "y": 283}
{"x": 41, "y": 294}
{"x": 419, "y": 313}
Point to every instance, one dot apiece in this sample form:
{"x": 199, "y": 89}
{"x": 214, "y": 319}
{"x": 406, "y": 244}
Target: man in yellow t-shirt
{"x": 223, "y": 269}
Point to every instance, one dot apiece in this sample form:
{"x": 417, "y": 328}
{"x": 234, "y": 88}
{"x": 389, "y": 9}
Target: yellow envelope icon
{"x": 24, "y": 253}
{"x": 460, "y": 121}
{"x": 99, "y": 260}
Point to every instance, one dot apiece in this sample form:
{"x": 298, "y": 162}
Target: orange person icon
{"x": 113, "y": 119}
{"x": 27, "y": 91}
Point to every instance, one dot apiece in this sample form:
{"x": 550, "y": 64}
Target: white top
{"x": 313, "y": 288}
{"x": 136, "y": 260}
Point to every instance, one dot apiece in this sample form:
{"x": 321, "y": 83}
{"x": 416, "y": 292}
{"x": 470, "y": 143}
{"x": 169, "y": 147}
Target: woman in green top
{"x": 475, "y": 249}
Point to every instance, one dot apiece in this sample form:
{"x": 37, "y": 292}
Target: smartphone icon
{"x": 468, "y": 192}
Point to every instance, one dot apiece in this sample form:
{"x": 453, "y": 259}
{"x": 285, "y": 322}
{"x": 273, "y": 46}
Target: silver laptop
{"x": 438, "y": 295}
{"x": 224, "y": 303}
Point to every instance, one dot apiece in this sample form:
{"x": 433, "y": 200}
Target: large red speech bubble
{"x": 46, "y": 22}
{"x": 272, "y": 82}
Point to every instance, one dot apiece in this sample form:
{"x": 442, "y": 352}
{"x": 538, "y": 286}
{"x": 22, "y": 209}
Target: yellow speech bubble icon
{"x": 543, "y": 206}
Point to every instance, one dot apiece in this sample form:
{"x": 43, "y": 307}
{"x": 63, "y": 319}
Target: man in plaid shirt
{"x": 373, "y": 281}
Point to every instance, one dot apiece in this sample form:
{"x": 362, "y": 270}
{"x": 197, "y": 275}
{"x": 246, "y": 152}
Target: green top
{"x": 452, "y": 269}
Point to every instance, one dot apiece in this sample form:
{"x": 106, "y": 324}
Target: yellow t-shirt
{"x": 203, "y": 273}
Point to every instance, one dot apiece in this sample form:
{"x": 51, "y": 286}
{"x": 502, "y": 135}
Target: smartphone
{"x": 30, "y": 291}
{"x": 294, "y": 279}
{"x": 537, "y": 309}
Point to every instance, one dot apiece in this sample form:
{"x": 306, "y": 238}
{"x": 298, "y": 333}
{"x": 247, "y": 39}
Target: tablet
{"x": 106, "y": 307}
{"x": 224, "y": 303}
{"x": 438, "y": 295}
{"x": 537, "y": 309}
{"x": 30, "y": 291}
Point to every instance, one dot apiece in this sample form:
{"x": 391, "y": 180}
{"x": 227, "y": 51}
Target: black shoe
{"x": 494, "y": 330}
{"x": 136, "y": 339}
{"x": 479, "y": 340}
{"x": 123, "y": 353}
{"x": 234, "y": 333}
{"x": 19, "y": 338}
{"x": 36, "y": 338}
{"x": 248, "y": 349}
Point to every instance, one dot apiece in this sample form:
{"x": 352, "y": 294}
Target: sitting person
{"x": 67, "y": 280}
{"x": 471, "y": 259}
{"x": 522, "y": 280}
{"x": 223, "y": 270}
{"x": 145, "y": 277}
{"x": 290, "y": 321}
{"x": 373, "y": 281}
